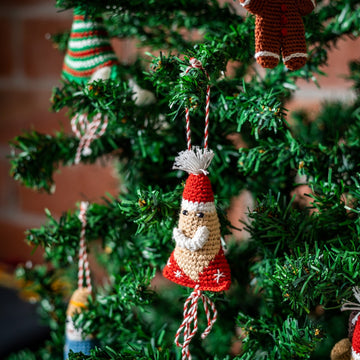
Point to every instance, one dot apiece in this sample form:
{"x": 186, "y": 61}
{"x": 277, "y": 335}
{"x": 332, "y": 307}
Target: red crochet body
{"x": 356, "y": 338}
{"x": 216, "y": 277}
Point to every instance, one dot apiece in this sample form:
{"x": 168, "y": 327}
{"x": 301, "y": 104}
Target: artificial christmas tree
{"x": 289, "y": 278}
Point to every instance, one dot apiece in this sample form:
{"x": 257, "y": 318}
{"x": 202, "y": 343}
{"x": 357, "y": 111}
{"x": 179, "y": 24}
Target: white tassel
{"x": 348, "y": 305}
{"x": 194, "y": 161}
{"x": 356, "y": 291}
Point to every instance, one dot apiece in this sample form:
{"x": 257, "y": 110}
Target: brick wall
{"x": 29, "y": 68}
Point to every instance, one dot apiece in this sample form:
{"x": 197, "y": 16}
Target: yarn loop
{"x": 87, "y": 131}
{"x": 190, "y": 316}
{"x": 196, "y": 64}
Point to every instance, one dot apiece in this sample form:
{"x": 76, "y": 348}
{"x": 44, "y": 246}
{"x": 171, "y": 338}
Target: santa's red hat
{"x": 198, "y": 194}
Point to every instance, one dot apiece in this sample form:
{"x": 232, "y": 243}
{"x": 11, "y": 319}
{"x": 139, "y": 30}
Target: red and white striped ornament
{"x": 87, "y": 131}
{"x": 190, "y": 315}
{"x": 196, "y": 64}
{"x": 83, "y": 257}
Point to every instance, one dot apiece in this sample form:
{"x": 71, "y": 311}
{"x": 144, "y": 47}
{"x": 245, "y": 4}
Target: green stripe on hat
{"x": 90, "y": 34}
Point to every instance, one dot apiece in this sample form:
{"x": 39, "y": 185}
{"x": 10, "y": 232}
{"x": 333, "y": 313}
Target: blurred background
{"x": 30, "y": 67}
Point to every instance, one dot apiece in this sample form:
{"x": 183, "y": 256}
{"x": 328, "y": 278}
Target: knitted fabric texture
{"x": 355, "y": 348}
{"x": 279, "y": 28}
{"x": 352, "y": 324}
{"x": 341, "y": 350}
{"x": 207, "y": 266}
{"x": 198, "y": 189}
{"x": 83, "y": 346}
{"x": 78, "y": 301}
{"x": 89, "y": 49}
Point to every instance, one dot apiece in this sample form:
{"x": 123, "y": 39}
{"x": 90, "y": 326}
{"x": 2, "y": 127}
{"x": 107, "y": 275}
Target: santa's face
{"x": 190, "y": 221}
{"x": 196, "y": 228}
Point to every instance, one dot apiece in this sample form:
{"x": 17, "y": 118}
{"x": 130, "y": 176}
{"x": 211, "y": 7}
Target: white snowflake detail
{"x": 218, "y": 275}
{"x": 168, "y": 263}
{"x": 178, "y": 273}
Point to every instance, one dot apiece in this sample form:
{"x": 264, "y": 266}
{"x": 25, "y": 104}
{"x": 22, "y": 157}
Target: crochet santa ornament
{"x": 349, "y": 348}
{"x": 89, "y": 55}
{"x": 198, "y": 260}
{"x": 74, "y": 339}
{"x": 279, "y": 28}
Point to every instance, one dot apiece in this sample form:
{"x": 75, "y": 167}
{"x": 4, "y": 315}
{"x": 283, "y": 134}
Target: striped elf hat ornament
{"x": 89, "y": 54}
{"x": 74, "y": 338}
{"x": 198, "y": 259}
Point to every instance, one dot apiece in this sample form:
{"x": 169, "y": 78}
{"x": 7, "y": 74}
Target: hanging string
{"x": 87, "y": 132}
{"x": 189, "y": 326}
{"x": 190, "y": 316}
{"x": 348, "y": 305}
{"x": 83, "y": 258}
{"x": 196, "y": 64}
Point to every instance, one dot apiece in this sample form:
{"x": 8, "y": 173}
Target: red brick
{"x": 338, "y": 61}
{"x": 6, "y": 58}
{"x": 28, "y": 2}
{"x": 8, "y": 189}
{"x": 311, "y": 104}
{"x": 25, "y": 110}
{"x": 17, "y": 3}
{"x": 73, "y": 184}
{"x": 13, "y": 248}
{"x": 41, "y": 59}
{"x": 238, "y": 208}
{"x": 125, "y": 49}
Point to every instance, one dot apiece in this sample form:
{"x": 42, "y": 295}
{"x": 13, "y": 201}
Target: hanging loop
{"x": 191, "y": 318}
{"x": 87, "y": 132}
{"x": 83, "y": 257}
{"x": 352, "y": 306}
{"x": 196, "y": 64}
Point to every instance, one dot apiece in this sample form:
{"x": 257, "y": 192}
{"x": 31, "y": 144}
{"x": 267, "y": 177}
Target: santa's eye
{"x": 185, "y": 212}
{"x": 200, "y": 215}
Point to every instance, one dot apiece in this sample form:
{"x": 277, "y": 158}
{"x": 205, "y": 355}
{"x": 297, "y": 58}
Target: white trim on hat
{"x": 355, "y": 319}
{"x": 196, "y": 206}
{"x": 86, "y": 25}
{"x": 355, "y": 355}
{"x": 82, "y": 43}
{"x": 95, "y": 61}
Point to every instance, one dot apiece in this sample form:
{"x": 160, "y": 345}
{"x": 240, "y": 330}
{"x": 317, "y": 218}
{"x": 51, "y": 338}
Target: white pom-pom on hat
{"x": 194, "y": 161}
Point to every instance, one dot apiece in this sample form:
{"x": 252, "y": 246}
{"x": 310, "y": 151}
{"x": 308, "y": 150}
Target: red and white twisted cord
{"x": 196, "y": 64}
{"x": 83, "y": 258}
{"x": 190, "y": 316}
{"x": 87, "y": 132}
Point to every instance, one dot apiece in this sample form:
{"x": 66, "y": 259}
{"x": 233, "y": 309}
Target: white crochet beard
{"x": 71, "y": 332}
{"x": 195, "y": 243}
